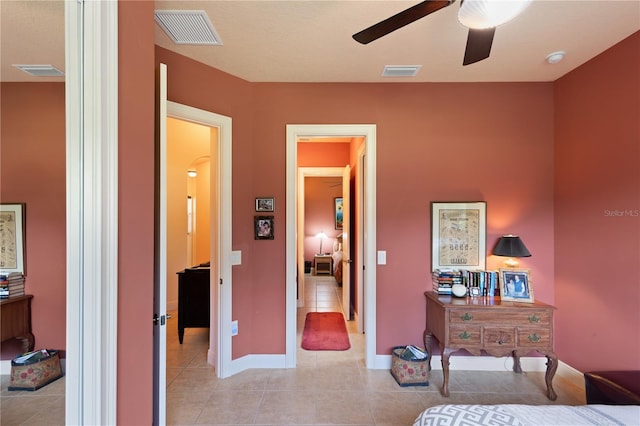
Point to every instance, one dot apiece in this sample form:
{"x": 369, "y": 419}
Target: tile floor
{"x": 327, "y": 388}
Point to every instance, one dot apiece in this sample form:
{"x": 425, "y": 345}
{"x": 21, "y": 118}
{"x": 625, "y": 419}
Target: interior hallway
{"x": 327, "y": 388}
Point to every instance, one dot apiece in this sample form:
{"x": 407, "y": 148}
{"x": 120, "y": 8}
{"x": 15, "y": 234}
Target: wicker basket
{"x": 406, "y": 372}
{"x": 31, "y": 376}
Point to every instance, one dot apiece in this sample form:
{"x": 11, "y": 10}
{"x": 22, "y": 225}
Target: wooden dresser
{"x": 193, "y": 299}
{"x": 487, "y": 324}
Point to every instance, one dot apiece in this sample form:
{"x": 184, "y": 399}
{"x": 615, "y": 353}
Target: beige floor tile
{"x": 395, "y": 408}
{"x": 287, "y": 408}
{"x": 343, "y": 408}
{"x": 231, "y": 407}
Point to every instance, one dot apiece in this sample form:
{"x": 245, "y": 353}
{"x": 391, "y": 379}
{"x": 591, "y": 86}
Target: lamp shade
{"x": 511, "y": 246}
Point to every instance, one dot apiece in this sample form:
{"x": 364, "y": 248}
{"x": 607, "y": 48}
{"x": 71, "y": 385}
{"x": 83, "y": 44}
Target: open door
{"x": 160, "y": 284}
{"x": 346, "y": 244}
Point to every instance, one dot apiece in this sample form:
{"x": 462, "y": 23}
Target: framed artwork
{"x": 12, "y": 238}
{"x": 338, "y": 212}
{"x": 265, "y": 204}
{"x": 516, "y": 285}
{"x": 458, "y": 235}
{"x": 263, "y": 226}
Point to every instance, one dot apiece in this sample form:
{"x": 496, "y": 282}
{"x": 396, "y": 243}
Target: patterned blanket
{"x": 525, "y": 415}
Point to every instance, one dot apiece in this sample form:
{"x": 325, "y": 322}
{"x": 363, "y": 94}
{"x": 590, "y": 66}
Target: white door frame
{"x": 219, "y": 353}
{"x": 293, "y": 133}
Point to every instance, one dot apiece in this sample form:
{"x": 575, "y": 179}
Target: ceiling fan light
{"x": 481, "y": 14}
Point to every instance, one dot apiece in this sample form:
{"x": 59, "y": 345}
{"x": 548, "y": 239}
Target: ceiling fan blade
{"x": 478, "y": 45}
{"x": 399, "y": 20}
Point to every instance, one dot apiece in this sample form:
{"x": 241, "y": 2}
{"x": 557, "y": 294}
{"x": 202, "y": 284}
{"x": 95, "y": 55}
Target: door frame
{"x": 293, "y": 133}
{"x": 219, "y": 353}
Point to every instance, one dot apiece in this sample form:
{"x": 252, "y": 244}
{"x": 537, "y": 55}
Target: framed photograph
{"x": 263, "y": 227}
{"x": 338, "y": 212}
{"x": 516, "y": 285}
{"x": 265, "y": 204}
{"x": 459, "y": 235}
{"x": 12, "y": 238}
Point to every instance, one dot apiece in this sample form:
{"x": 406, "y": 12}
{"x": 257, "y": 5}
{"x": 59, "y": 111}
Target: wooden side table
{"x": 324, "y": 264}
{"x": 15, "y": 320}
{"x": 487, "y": 324}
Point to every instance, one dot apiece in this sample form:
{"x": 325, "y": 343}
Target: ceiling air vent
{"x": 40, "y": 70}
{"x": 401, "y": 70}
{"x": 188, "y": 27}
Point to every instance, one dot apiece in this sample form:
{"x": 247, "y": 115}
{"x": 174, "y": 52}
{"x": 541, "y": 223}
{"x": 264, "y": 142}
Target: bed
{"x": 520, "y": 415}
{"x": 337, "y": 259}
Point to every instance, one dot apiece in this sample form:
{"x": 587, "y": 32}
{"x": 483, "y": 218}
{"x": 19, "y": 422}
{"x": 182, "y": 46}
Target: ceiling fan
{"x": 480, "y": 16}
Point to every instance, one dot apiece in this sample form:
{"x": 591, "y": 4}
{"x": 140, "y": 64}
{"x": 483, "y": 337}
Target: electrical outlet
{"x": 234, "y": 328}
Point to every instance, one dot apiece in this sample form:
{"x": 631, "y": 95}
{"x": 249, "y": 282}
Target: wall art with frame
{"x": 338, "y": 212}
{"x": 458, "y": 235}
{"x": 516, "y": 285}
{"x": 263, "y": 226}
{"x": 12, "y": 238}
{"x": 265, "y": 204}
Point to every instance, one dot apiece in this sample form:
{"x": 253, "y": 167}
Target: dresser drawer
{"x": 534, "y": 337}
{"x": 486, "y": 316}
{"x": 469, "y": 335}
{"x": 499, "y": 337}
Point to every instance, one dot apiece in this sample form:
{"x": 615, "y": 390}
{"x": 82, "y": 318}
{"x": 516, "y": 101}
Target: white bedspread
{"x": 529, "y": 415}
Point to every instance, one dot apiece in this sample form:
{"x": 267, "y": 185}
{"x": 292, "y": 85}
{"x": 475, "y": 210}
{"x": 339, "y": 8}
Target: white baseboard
{"x": 257, "y": 361}
{"x": 475, "y": 363}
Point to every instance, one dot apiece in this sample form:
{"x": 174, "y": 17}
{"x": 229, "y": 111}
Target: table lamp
{"x": 322, "y": 236}
{"x": 511, "y": 246}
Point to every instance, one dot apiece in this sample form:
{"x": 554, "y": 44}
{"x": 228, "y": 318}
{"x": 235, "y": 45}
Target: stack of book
{"x": 443, "y": 279}
{"x": 481, "y": 283}
{"x": 11, "y": 285}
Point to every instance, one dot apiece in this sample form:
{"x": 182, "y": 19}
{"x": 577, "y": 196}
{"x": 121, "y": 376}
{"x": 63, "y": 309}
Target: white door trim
{"x": 220, "y": 331}
{"x": 91, "y": 93}
{"x": 293, "y": 133}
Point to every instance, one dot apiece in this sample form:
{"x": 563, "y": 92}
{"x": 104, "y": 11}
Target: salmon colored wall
{"x": 319, "y": 154}
{"x": 136, "y": 118}
{"x": 597, "y": 211}
{"x": 319, "y": 199}
{"x": 32, "y": 171}
{"x": 435, "y": 142}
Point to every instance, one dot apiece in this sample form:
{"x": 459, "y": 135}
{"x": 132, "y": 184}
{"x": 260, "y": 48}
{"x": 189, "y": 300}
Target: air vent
{"x": 188, "y": 27}
{"x": 40, "y": 70}
{"x": 401, "y": 70}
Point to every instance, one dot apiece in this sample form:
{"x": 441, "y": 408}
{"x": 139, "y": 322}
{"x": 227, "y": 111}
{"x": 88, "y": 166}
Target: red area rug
{"x": 325, "y": 331}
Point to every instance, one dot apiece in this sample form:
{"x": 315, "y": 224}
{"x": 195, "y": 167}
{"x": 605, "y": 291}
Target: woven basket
{"x": 408, "y": 373}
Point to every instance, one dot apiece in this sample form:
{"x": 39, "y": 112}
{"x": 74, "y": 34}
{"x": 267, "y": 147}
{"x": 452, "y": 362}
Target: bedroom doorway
{"x": 365, "y": 228}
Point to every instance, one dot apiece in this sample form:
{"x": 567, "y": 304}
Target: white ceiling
{"x": 310, "y": 40}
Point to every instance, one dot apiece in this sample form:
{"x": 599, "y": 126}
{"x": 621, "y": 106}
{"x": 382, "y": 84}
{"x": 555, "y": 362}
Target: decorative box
{"x": 408, "y": 372}
{"x": 31, "y": 375}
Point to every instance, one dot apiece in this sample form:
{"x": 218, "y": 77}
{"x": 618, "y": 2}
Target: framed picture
{"x": 265, "y": 204}
{"x": 516, "y": 285}
{"x": 12, "y": 238}
{"x": 458, "y": 235}
{"x": 263, "y": 227}
{"x": 338, "y": 212}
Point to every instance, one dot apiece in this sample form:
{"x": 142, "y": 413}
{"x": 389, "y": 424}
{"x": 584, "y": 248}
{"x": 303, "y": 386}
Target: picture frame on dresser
{"x": 516, "y": 285}
{"x": 12, "y": 238}
{"x": 458, "y": 235}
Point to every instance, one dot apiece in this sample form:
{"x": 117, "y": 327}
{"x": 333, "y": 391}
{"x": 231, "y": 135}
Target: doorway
{"x": 367, "y": 229}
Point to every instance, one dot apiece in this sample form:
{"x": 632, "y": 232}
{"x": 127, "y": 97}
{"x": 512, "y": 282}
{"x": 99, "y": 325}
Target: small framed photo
{"x": 263, "y": 227}
{"x": 338, "y": 207}
{"x": 516, "y": 285}
{"x": 12, "y": 238}
{"x": 265, "y": 204}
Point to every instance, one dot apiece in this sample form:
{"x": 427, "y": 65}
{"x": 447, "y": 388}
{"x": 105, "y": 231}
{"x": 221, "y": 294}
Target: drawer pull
{"x": 534, "y": 338}
{"x": 534, "y": 319}
{"x": 500, "y": 342}
{"x": 464, "y": 335}
{"x": 466, "y": 317}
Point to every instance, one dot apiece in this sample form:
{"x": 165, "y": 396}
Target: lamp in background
{"x": 481, "y": 14}
{"x": 511, "y": 246}
{"x": 322, "y": 236}
{"x": 192, "y": 173}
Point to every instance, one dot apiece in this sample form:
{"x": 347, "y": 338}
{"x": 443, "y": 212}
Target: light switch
{"x": 236, "y": 257}
{"x": 382, "y": 257}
